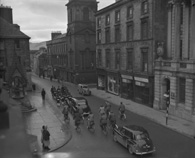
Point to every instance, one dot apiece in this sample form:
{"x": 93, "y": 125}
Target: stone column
{"x": 192, "y": 39}
{"x": 189, "y": 95}
{"x": 176, "y": 30}
{"x": 169, "y": 35}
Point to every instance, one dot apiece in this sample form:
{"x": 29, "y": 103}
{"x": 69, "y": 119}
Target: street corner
{"x": 57, "y": 141}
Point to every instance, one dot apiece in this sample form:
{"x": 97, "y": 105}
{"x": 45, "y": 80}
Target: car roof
{"x": 82, "y": 85}
{"x": 79, "y": 98}
{"x": 135, "y": 129}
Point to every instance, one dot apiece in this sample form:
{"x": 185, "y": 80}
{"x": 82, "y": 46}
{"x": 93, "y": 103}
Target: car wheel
{"x": 115, "y": 137}
{"x": 130, "y": 149}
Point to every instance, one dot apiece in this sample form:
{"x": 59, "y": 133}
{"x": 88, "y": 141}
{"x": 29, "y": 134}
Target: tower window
{"x": 85, "y": 14}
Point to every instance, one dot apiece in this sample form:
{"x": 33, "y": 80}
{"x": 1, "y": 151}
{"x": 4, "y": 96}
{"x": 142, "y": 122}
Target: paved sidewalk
{"x": 50, "y": 116}
{"x": 175, "y": 123}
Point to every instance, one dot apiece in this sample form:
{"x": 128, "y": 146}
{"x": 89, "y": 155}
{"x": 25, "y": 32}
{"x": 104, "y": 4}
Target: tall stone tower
{"x": 81, "y": 41}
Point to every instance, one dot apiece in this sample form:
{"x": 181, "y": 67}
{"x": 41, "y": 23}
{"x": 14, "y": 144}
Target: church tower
{"x": 81, "y": 41}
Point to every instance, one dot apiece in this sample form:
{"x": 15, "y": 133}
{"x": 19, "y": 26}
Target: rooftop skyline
{"x": 37, "y": 19}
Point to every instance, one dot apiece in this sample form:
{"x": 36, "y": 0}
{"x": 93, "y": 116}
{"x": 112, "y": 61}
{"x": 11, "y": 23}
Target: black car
{"x": 135, "y": 138}
{"x": 79, "y": 102}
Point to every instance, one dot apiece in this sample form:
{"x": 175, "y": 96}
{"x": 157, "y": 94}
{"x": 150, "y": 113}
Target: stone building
{"x": 175, "y": 70}
{"x": 81, "y": 41}
{"x": 128, "y": 32}
{"x": 14, "y": 50}
{"x": 58, "y": 56}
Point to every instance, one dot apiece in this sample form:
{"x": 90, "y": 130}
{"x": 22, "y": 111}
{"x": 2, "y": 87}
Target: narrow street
{"x": 169, "y": 144}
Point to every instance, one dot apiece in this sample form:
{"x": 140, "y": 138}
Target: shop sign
{"x": 127, "y": 77}
{"x": 141, "y": 79}
{"x": 140, "y": 83}
{"x": 126, "y": 80}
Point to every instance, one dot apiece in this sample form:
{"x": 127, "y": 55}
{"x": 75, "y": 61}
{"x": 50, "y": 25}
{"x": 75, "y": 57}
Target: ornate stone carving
{"x": 160, "y": 49}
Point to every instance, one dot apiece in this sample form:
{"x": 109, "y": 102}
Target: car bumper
{"x": 145, "y": 152}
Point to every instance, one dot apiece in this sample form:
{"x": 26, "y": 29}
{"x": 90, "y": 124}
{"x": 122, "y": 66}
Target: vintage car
{"x": 79, "y": 102}
{"x": 83, "y": 89}
{"x": 135, "y": 138}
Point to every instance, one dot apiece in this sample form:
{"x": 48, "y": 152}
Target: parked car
{"x": 135, "y": 138}
{"x": 77, "y": 102}
{"x": 83, "y": 89}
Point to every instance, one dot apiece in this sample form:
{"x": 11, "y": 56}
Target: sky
{"x": 38, "y": 18}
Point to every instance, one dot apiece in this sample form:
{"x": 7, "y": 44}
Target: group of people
{"x": 45, "y": 138}
{"x": 106, "y": 114}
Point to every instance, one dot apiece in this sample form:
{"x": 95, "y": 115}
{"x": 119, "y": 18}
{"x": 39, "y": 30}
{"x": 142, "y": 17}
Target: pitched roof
{"x": 8, "y": 30}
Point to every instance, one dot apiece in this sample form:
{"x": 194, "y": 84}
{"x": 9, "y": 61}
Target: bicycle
{"x": 91, "y": 126}
{"x": 104, "y": 128}
{"x": 122, "y": 115}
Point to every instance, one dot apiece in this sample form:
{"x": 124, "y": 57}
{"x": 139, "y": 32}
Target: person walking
{"x": 46, "y": 138}
{"x": 42, "y": 131}
{"x": 43, "y": 94}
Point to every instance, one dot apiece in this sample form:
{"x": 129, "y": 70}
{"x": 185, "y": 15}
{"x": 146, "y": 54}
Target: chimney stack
{"x": 6, "y": 13}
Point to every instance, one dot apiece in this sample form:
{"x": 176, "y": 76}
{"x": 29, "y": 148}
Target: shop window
{"x": 182, "y": 90}
{"x": 117, "y": 34}
{"x": 117, "y": 16}
{"x": 144, "y": 7}
{"x": 107, "y": 58}
{"x": 86, "y": 14}
{"x": 117, "y": 59}
{"x": 99, "y": 58}
{"x": 130, "y": 12}
{"x": 98, "y": 36}
{"x": 107, "y": 19}
{"x": 144, "y": 60}
{"x": 144, "y": 28}
{"x": 130, "y": 31}
{"x": 130, "y": 59}
{"x": 107, "y": 35}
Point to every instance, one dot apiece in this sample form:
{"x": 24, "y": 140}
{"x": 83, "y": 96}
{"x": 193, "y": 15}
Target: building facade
{"x": 128, "y": 32}
{"x": 175, "y": 70}
{"x": 14, "y": 51}
{"x": 58, "y": 56}
{"x": 81, "y": 41}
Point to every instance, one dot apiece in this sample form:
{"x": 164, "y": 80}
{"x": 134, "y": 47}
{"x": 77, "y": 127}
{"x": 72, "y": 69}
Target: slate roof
{"x": 8, "y": 30}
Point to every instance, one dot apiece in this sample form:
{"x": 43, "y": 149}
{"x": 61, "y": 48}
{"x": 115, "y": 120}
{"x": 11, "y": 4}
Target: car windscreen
{"x": 141, "y": 136}
{"x": 85, "y": 87}
{"x": 82, "y": 103}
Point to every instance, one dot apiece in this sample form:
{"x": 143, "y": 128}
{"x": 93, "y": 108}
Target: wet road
{"x": 168, "y": 143}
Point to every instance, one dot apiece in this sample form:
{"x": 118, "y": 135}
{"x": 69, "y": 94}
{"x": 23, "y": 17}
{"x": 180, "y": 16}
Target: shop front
{"x": 127, "y": 87}
{"x": 143, "y": 90}
{"x": 101, "y": 79}
{"x": 113, "y": 83}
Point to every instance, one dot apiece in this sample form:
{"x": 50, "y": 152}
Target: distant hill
{"x": 36, "y": 46}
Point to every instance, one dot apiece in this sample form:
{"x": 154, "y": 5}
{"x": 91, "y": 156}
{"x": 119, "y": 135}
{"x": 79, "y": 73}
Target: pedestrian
{"x": 46, "y": 138}
{"x": 43, "y": 94}
{"x": 51, "y": 78}
{"x": 42, "y": 131}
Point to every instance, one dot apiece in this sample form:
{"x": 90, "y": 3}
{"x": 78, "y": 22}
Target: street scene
{"x": 88, "y": 78}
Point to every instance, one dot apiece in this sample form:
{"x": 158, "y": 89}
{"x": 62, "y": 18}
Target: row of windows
{"x": 129, "y": 14}
{"x": 129, "y": 32}
{"x": 117, "y": 57}
{"x": 61, "y": 48}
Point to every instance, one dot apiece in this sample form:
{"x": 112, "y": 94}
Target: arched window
{"x": 85, "y": 14}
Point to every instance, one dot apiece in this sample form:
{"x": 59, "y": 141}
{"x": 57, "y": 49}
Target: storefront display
{"x": 127, "y": 87}
{"x": 101, "y": 82}
{"x": 113, "y": 85}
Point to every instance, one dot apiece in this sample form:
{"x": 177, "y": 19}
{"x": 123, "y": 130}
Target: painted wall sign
{"x": 141, "y": 79}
